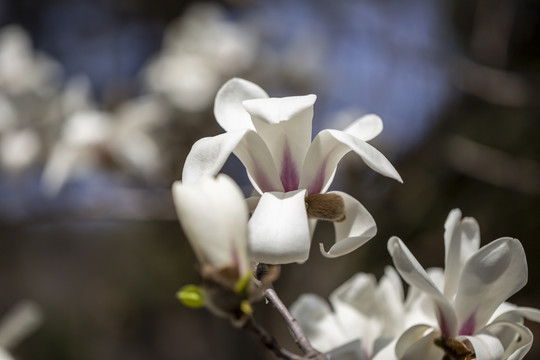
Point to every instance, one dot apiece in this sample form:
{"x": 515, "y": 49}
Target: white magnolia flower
{"x": 91, "y": 137}
{"x": 22, "y": 69}
{"x": 214, "y": 216}
{"x": 468, "y": 299}
{"x": 272, "y": 138}
{"x": 361, "y": 310}
{"x": 200, "y": 50}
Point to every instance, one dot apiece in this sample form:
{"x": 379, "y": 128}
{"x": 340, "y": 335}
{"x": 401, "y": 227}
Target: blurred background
{"x": 100, "y": 101}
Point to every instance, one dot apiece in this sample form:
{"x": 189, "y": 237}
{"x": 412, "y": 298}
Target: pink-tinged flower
{"x": 292, "y": 173}
{"x": 469, "y": 299}
{"x": 214, "y": 217}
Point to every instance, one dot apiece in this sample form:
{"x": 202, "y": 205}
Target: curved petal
{"x": 417, "y": 342}
{"x": 285, "y": 126}
{"x": 214, "y": 217}
{"x": 228, "y": 109}
{"x": 461, "y": 241}
{"x": 353, "y": 232}
{"x": 208, "y": 155}
{"x": 486, "y": 346}
{"x": 413, "y": 273}
{"x": 325, "y": 152}
{"x": 279, "y": 229}
{"x": 366, "y": 128}
{"x": 522, "y": 339}
{"x": 489, "y": 277}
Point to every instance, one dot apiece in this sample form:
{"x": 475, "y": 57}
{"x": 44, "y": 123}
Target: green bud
{"x": 191, "y": 296}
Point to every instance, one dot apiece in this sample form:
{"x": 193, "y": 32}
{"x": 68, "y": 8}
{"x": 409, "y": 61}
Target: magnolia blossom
{"x": 214, "y": 217}
{"x": 22, "y": 69}
{"x": 362, "y": 310}
{"x": 468, "y": 298}
{"x": 91, "y": 137}
{"x": 272, "y": 138}
{"x": 200, "y": 50}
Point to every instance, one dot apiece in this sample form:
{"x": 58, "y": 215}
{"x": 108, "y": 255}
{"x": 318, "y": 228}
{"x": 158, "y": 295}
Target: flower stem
{"x": 270, "y": 342}
{"x": 299, "y": 336}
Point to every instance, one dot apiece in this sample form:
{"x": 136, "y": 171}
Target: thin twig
{"x": 299, "y": 336}
{"x": 269, "y": 341}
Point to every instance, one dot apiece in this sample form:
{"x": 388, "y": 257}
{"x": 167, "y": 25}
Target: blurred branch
{"x": 493, "y": 166}
{"x": 493, "y": 85}
{"x": 493, "y": 23}
{"x": 299, "y": 336}
{"x": 270, "y": 342}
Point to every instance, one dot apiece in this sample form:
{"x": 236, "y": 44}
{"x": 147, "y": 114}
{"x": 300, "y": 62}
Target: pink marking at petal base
{"x": 289, "y": 173}
{"x": 468, "y": 326}
{"x": 442, "y": 324}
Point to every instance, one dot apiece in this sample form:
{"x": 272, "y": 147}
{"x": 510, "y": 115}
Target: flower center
{"x": 329, "y": 207}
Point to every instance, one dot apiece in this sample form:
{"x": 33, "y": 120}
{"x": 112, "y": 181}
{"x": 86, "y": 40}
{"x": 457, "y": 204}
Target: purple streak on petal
{"x": 442, "y": 323}
{"x": 317, "y": 184}
{"x": 289, "y": 173}
{"x": 468, "y": 326}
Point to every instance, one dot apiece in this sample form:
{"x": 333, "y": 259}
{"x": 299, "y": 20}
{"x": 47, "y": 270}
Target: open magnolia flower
{"x": 364, "y": 319}
{"x": 214, "y": 217}
{"x": 272, "y": 138}
{"x": 473, "y": 320}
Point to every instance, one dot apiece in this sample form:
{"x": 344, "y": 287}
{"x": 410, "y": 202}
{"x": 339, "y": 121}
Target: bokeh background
{"x": 100, "y": 101}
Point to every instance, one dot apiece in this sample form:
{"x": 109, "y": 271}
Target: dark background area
{"x": 457, "y": 84}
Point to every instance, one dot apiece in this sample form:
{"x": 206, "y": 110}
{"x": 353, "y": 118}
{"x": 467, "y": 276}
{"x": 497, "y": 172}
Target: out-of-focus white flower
{"x": 200, "y": 50}
{"x": 468, "y": 300}
{"x": 90, "y": 137}
{"x": 361, "y": 310}
{"x": 272, "y": 138}
{"x": 214, "y": 217}
{"x": 19, "y": 149}
{"x": 22, "y": 320}
{"x": 21, "y": 68}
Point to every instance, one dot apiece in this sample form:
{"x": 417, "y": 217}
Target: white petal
{"x": 356, "y": 309}
{"x": 366, "y": 128}
{"x": 214, "y": 217}
{"x": 285, "y": 126}
{"x": 389, "y": 297}
{"x": 522, "y": 339}
{"x": 357, "y": 228}
{"x": 4, "y": 355}
{"x": 59, "y": 167}
{"x": 318, "y": 322}
{"x": 18, "y": 323}
{"x": 417, "y": 342}
{"x": 357, "y": 292}
{"x": 489, "y": 277}
{"x": 461, "y": 241}
{"x": 208, "y": 155}
{"x": 324, "y": 154}
{"x": 413, "y": 273}
{"x": 279, "y": 229}
{"x": 486, "y": 346}
{"x": 228, "y": 108}
{"x": 388, "y": 352}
